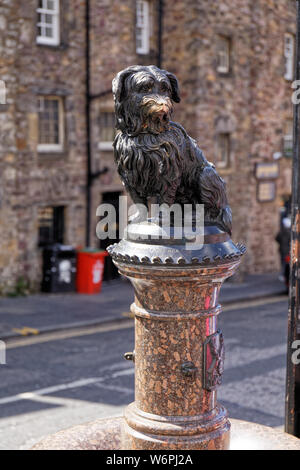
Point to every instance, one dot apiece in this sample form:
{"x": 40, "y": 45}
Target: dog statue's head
{"x": 143, "y": 99}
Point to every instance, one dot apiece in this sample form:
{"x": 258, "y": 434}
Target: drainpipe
{"x": 90, "y": 176}
{"x": 160, "y": 33}
{"x": 88, "y": 123}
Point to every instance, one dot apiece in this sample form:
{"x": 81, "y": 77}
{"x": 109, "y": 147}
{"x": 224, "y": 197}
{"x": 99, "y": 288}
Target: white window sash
{"x": 55, "y": 27}
{"x": 59, "y": 147}
{"x": 223, "y": 148}
{"x": 224, "y": 55}
{"x": 289, "y": 47}
{"x": 288, "y": 145}
{"x": 105, "y": 146}
{"x": 50, "y": 148}
{"x": 288, "y": 139}
{"x": 143, "y": 26}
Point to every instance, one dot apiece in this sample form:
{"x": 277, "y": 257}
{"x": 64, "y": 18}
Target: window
{"x": 107, "y": 130}
{"x": 142, "y": 27}
{"x": 288, "y": 139}
{"x": 48, "y": 22}
{"x": 289, "y": 48}
{"x": 223, "y": 54}
{"x": 2, "y": 92}
{"x": 223, "y": 151}
{"x": 50, "y": 225}
{"x": 51, "y": 124}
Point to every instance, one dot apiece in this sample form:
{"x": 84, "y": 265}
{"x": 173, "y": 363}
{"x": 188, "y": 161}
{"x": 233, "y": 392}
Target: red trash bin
{"x": 90, "y": 267}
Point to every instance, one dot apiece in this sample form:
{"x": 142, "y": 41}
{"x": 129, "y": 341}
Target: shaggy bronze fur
{"x": 155, "y": 157}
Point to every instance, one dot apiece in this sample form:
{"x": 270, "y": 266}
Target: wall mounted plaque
{"x": 267, "y": 171}
{"x": 266, "y": 191}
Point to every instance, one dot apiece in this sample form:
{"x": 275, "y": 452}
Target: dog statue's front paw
{"x": 136, "y": 218}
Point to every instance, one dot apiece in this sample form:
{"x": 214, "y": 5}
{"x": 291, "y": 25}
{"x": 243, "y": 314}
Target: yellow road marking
{"x": 65, "y": 334}
{"x": 254, "y": 303}
{"x": 128, "y": 314}
{"x": 26, "y": 330}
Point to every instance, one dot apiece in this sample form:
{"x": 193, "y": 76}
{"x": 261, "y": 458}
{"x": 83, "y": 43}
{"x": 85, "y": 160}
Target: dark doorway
{"x": 110, "y": 270}
{"x": 51, "y": 221}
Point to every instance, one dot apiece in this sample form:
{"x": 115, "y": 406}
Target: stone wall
{"x": 9, "y": 245}
{"x": 32, "y": 179}
{"x": 252, "y": 102}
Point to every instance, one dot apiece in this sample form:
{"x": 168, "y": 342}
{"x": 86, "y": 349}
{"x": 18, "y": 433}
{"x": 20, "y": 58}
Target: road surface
{"x": 54, "y": 381}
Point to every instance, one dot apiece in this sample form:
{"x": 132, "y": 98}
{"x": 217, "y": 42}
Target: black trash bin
{"x": 59, "y": 268}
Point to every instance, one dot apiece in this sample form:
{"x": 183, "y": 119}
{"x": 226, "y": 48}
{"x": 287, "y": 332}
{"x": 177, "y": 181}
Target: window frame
{"x": 221, "y": 163}
{"x": 106, "y": 145}
{"x": 289, "y": 56}
{"x": 55, "y": 26}
{"x": 226, "y": 53}
{"x": 288, "y": 138}
{"x": 59, "y": 147}
{"x": 144, "y": 49}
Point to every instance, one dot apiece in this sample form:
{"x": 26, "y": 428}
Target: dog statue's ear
{"x": 175, "y": 87}
{"x": 119, "y": 80}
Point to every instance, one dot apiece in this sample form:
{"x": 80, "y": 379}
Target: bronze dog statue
{"x": 156, "y": 158}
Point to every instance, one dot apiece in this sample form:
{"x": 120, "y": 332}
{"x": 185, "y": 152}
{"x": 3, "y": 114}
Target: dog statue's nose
{"x": 164, "y": 109}
{"x": 163, "y": 112}
{"x": 163, "y": 115}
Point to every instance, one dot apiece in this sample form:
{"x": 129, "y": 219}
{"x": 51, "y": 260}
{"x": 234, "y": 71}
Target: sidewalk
{"x": 51, "y": 312}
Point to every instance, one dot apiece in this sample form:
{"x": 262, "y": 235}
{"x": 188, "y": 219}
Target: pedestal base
{"x": 105, "y": 434}
{"x": 145, "y": 431}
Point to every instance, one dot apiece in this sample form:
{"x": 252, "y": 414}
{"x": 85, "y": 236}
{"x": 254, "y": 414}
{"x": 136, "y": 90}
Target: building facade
{"x": 234, "y": 61}
{"x": 234, "y": 67}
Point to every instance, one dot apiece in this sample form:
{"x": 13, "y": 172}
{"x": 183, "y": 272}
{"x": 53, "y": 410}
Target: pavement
{"x": 43, "y": 313}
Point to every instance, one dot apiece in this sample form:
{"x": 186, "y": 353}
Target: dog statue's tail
{"x": 213, "y": 196}
{"x": 226, "y": 219}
